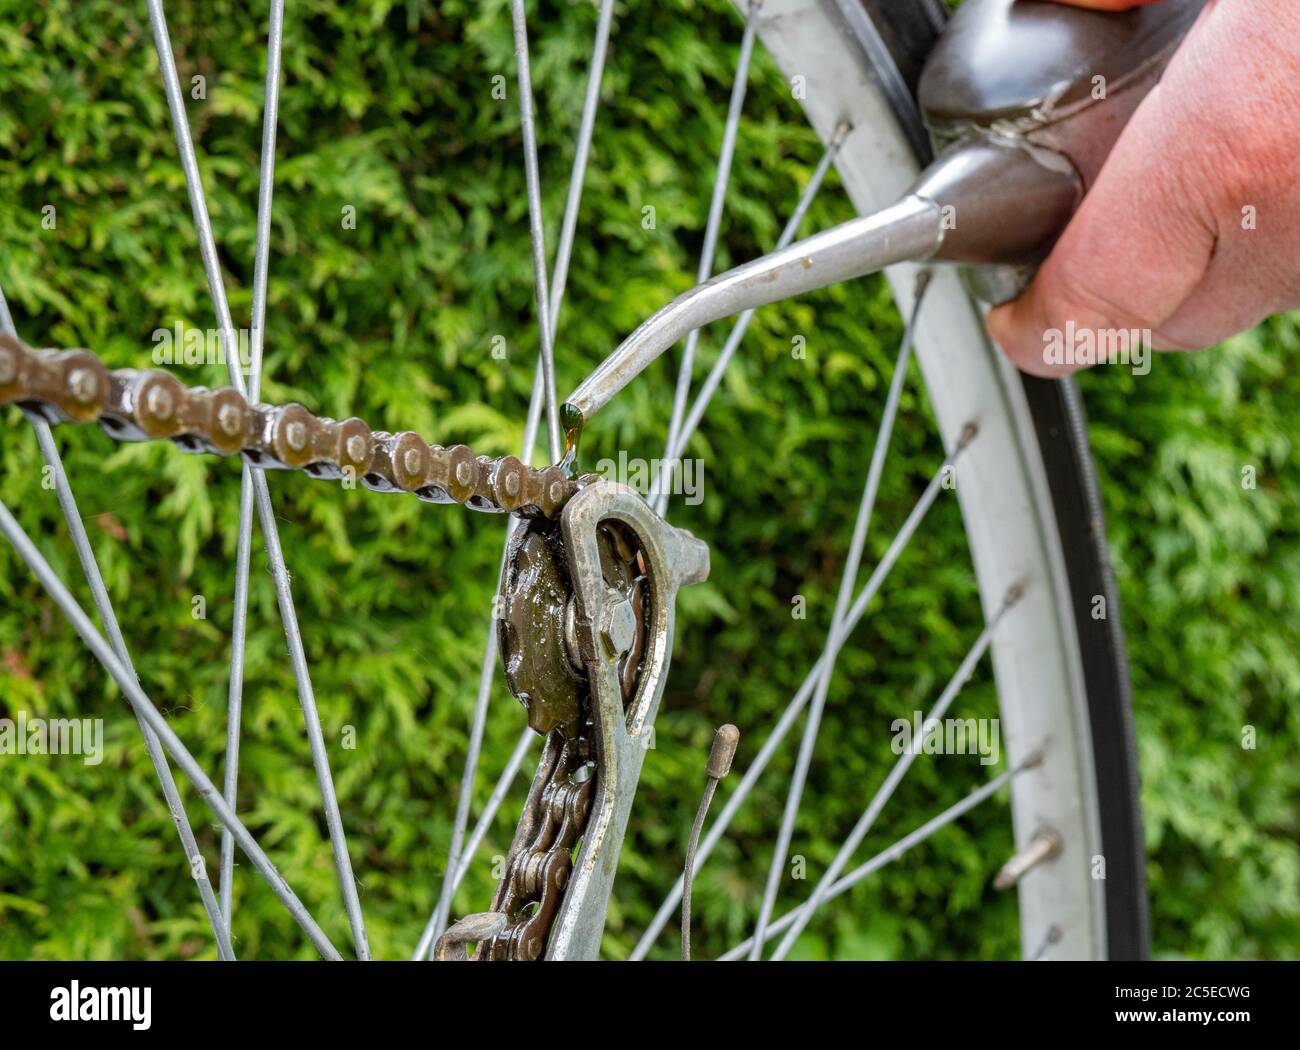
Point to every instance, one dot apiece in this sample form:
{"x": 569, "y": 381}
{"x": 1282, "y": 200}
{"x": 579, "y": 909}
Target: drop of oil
{"x": 573, "y": 421}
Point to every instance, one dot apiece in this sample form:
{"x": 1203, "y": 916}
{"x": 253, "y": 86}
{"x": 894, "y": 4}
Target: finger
{"x": 1131, "y": 255}
{"x": 1106, "y": 5}
{"x": 1252, "y": 277}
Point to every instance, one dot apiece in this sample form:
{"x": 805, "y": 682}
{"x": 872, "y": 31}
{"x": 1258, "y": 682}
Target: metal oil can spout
{"x": 991, "y": 201}
{"x": 1028, "y": 98}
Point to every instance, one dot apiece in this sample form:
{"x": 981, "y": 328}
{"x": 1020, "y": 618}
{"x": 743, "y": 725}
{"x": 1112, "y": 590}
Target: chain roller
{"x": 74, "y": 386}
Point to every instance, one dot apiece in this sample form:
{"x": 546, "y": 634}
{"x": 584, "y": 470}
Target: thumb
{"x": 1107, "y": 5}
{"x": 1131, "y": 255}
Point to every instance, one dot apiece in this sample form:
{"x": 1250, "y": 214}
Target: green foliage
{"x": 388, "y": 108}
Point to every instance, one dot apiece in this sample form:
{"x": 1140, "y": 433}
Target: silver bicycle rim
{"x": 1002, "y": 490}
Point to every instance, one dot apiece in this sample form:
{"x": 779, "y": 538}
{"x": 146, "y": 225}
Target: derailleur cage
{"x": 585, "y": 626}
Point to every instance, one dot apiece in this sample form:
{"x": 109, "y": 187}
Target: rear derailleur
{"x": 585, "y": 630}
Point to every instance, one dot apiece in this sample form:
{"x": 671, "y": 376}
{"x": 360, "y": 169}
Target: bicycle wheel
{"x": 1027, "y": 498}
{"x": 862, "y": 61}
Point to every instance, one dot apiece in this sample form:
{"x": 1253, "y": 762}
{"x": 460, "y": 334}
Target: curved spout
{"x": 910, "y": 229}
{"x": 991, "y": 200}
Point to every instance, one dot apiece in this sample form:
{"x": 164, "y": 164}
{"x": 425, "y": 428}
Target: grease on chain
{"x": 541, "y": 858}
{"x": 74, "y": 386}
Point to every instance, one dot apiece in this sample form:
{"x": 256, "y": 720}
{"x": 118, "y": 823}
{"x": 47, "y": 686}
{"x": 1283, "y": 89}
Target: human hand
{"x": 1192, "y": 229}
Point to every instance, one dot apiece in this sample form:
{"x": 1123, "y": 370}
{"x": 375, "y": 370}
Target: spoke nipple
{"x": 842, "y": 130}
{"x": 82, "y": 385}
{"x": 1042, "y": 847}
{"x": 1014, "y": 593}
{"x": 295, "y": 436}
{"x": 725, "y": 742}
{"x": 968, "y": 433}
{"x": 923, "y": 279}
{"x": 1032, "y": 761}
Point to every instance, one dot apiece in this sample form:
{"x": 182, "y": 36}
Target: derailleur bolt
{"x": 618, "y": 625}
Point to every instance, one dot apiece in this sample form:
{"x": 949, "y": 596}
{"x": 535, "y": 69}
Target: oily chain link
{"x": 555, "y": 816}
{"x": 75, "y": 386}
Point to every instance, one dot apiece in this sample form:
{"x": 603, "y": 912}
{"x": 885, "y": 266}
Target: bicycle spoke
{"x": 890, "y": 854}
{"x": 265, "y": 194}
{"x": 244, "y": 545}
{"x": 235, "y": 686}
{"x": 851, "y": 565}
{"x": 590, "y": 104}
{"x": 533, "y": 181}
{"x": 556, "y": 299}
{"x": 148, "y": 713}
{"x": 525, "y": 744}
{"x": 899, "y": 769}
{"x": 487, "y": 673}
{"x": 108, "y": 617}
{"x": 714, "y": 221}
{"x": 477, "y": 726}
{"x": 262, "y": 497}
{"x": 737, "y": 334}
{"x": 839, "y": 635}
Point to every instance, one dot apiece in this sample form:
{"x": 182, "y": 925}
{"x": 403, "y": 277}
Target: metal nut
{"x": 618, "y": 625}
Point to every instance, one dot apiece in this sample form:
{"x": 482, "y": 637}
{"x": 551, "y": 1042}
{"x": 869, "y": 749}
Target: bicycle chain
{"x": 75, "y": 386}
{"x": 538, "y": 868}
